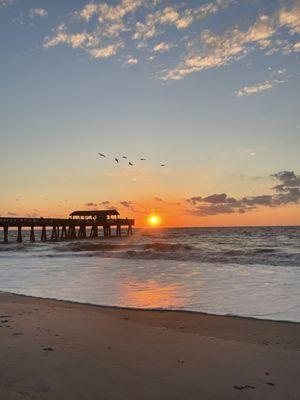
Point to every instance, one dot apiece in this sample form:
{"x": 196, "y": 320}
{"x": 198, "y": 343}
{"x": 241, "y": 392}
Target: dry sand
{"x": 59, "y": 350}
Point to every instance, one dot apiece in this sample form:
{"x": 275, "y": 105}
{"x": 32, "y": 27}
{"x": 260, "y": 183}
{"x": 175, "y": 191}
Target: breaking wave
{"x": 179, "y": 252}
{"x": 240, "y": 246}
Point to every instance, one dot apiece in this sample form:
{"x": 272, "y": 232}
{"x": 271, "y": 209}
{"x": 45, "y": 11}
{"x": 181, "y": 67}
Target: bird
{"x": 102, "y": 155}
{"x": 124, "y": 157}
{"x": 116, "y": 159}
{"x": 162, "y": 165}
{"x": 130, "y": 163}
{"x": 143, "y": 159}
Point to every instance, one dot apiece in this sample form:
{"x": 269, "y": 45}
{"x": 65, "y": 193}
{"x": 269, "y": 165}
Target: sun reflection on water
{"x": 151, "y": 295}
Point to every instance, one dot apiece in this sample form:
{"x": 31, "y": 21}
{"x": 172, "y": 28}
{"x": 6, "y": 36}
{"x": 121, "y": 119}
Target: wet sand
{"x": 60, "y": 350}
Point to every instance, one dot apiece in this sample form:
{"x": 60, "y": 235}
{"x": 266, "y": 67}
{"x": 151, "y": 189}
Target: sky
{"x": 209, "y": 89}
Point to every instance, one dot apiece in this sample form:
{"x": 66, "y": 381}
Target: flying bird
{"x": 124, "y": 157}
{"x": 102, "y": 155}
{"x": 143, "y": 159}
{"x": 130, "y": 163}
{"x": 116, "y": 160}
{"x": 162, "y": 165}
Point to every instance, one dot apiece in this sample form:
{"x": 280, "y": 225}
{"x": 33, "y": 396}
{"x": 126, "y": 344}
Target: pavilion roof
{"x": 94, "y": 213}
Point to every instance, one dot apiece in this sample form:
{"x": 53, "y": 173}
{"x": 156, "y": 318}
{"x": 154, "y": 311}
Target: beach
{"x": 53, "y": 349}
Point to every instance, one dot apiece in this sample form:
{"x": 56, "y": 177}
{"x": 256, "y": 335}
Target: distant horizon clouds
{"x": 287, "y": 191}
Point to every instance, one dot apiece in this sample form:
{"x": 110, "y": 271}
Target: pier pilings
{"x": 63, "y": 229}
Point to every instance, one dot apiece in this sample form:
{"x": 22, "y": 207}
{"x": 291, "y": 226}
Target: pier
{"x": 79, "y": 225}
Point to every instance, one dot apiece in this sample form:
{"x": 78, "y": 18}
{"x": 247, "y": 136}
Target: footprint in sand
{"x": 48, "y": 349}
{"x": 244, "y": 387}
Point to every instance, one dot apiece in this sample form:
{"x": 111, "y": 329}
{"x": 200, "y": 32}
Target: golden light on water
{"x": 154, "y": 220}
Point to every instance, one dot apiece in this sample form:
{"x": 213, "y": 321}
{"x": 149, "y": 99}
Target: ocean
{"x": 245, "y": 271}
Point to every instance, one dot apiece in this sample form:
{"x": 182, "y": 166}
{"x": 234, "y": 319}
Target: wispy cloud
{"x": 258, "y": 87}
{"x": 104, "y": 30}
{"x": 90, "y": 204}
{"x": 38, "y": 12}
{"x": 105, "y": 203}
{"x": 290, "y": 17}
{"x": 6, "y": 3}
{"x": 212, "y": 50}
{"x": 129, "y": 205}
{"x": 250, "y": 152}
{"x": 107, "y": 25}
{"x": 107, "y": 51}
{"x": 131, "y": 61}
{"x": 162, "y": 47}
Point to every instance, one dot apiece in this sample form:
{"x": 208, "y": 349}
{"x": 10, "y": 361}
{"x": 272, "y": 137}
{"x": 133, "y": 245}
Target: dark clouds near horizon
{"x": 287, "y": 191}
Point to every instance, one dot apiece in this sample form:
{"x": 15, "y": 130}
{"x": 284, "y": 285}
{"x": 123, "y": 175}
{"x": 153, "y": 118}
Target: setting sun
{"x": 154, "y": 220}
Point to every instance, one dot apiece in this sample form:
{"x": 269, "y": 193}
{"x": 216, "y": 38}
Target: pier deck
{"x": 69, "y": 228}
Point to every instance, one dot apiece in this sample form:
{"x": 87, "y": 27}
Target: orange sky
{"x": 199, "y": 132}
{"x": 174, "y": 214}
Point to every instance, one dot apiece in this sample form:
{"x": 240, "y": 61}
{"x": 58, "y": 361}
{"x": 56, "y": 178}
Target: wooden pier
{"x": 80, "y": 225}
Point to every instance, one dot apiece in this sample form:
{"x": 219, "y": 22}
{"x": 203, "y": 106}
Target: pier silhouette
{"x": 74, "y": 227}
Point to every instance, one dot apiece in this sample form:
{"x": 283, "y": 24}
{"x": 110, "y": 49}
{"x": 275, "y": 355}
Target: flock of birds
{"x": 126, "y": 158}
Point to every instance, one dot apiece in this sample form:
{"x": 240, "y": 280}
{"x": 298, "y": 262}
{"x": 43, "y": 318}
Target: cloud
{"x": 106, "y": 24}
{"x": 103, "y": 40}
{"x": 131, "y": 61}
{"x": 76, "y": 40}
{"x": 290, "y": 18}
{"x": 250, "y": 152}
{"x": 38, "y": 12}
{"x": 162, "y": 47}
{"x": 262, "y": 200}
{"x": 107, "y": 51}
{"x": 145, "y": 30}
{"x": 287, "y": 191}
{"x": 211, "y": 50}
{"x": 6, "y": 3}
{"x": 106, "y": 12}
{"x": 90, "y": 204}
{"x": 215, "y": 198}
{"x": 104, "y": 203}
{"x": 107, "y": 205}
{"x": 296, "y": 47}
{"x": 287, "y": 178}
{"x": 258, "y": 87}
{"x": 32, "y": 215}
{"x": 194, "y": 200}
{"x": 106, "y": 29}
{"x": 127, "y": 204}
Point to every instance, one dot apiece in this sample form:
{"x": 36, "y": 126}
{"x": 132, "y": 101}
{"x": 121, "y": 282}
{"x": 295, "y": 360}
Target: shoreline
{"x": 55, "y": 349}
{"x": 159, "y": 310}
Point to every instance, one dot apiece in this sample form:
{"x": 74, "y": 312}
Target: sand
{"x": 60, "y": 350}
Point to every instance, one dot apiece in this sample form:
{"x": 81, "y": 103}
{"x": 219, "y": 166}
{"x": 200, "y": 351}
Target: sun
{"x": 154, "y": 220}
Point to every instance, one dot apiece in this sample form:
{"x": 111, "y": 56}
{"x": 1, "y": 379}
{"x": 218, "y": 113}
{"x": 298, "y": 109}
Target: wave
{"x": 177, "y": 252}
{"x": 264, "y": 246}
{"x": 96, "y": 246}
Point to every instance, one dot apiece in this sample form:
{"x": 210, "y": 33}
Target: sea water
{"x": 252, "y": 272}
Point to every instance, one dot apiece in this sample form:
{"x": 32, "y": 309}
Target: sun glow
{"x": 154, "y": 220}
